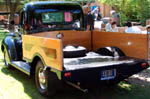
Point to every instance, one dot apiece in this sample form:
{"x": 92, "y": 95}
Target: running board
{"x": 22, "y": 66}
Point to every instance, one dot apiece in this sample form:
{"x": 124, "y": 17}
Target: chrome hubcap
{"x": 42, "y": 79}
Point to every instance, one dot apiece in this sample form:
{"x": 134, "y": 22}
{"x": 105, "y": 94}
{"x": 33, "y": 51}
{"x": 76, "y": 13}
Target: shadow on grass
{"x": 1, "y": 60}
{"x": 30, "y": 88}
{"x": 27, "y": 82}
{"x": 142, "y": 78}
{"x": 67, "y": 92}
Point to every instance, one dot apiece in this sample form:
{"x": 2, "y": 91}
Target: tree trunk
{"x": 12, "y": 8}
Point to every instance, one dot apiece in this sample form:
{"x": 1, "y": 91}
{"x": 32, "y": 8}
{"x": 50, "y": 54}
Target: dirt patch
{"x": 142, "y": 78}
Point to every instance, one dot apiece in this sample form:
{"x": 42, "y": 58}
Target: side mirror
{"x": 60, "y": 35}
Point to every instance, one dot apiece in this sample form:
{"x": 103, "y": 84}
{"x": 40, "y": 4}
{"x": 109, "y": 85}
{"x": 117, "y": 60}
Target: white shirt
{"x": 133, "y": 30}
{"x": 115, "y": 29}
{"x": 108, "y": 27}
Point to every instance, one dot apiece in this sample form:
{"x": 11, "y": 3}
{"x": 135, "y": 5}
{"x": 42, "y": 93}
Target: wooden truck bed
{"x": 133, "y": 45}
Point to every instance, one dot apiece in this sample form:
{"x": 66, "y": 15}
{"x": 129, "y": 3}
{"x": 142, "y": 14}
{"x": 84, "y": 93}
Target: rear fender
{"x": 37, "y": 58}
{"x": 111, "y": 51}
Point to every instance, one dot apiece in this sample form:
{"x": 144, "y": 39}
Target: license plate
{"x": 108, "y": 74}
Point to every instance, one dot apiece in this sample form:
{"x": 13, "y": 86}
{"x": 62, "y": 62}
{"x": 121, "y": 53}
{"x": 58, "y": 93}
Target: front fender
{"x": 8, "y": 43}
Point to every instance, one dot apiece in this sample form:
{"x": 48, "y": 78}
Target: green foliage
{"x": 144, "y": 9}
{"x": 131, "y": 10}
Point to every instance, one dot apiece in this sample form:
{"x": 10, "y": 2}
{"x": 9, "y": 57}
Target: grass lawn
{"x": 16, "y": 85}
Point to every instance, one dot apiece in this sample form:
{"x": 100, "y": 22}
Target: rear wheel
{"x": 6, "y": 58}
{"x": 45, "y": 81}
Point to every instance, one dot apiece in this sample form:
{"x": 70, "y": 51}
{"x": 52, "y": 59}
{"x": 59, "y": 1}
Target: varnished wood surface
{"x": 134, "y": 45}
{"x": 82, "y": 38}
{"x": 51, "y": 35}
{"x": 72, "y": 37}
{"x": 48, "y": 48}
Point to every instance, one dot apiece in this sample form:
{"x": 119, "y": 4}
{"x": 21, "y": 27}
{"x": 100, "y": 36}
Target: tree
{"x": 131, "y": 9}
{"x": 143, "y": 10}
{"x": 12, "y": 7}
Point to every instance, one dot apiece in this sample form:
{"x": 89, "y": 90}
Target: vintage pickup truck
{"x": 53, "y": 45}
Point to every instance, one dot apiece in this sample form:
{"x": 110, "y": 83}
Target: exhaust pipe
{"x": 77, "y": 86}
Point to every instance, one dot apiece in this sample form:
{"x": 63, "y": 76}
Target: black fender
{"x": 36, "y": 58}
{"x": 111, "y": 51}
{"x": 9, "y": 43}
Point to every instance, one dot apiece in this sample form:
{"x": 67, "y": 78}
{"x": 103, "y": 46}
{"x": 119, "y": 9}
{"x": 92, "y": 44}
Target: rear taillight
{"x": 67, "y": 74}
{"x": 143, "y": 64}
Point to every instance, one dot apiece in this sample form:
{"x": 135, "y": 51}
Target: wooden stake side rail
{"x": 133, "y": 45}
{"x": 148, "y": 45}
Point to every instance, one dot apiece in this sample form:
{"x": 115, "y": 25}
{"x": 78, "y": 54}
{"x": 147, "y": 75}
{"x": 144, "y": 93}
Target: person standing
{"x": 115, "y": 16}
{"x": 85, "y": 11}
{"x": 90, "y": 20}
